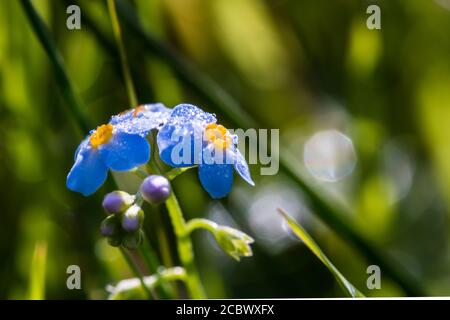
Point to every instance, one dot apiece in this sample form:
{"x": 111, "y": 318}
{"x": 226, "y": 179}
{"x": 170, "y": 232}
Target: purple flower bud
{"x": 132, "y": 218}
{"x": 155, "y": 189}
{"x": 109, "y": 226}
{"x": 117, "y": 201}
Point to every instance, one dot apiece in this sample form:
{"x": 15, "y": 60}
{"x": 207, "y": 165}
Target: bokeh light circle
{"x": 329, "y": 155}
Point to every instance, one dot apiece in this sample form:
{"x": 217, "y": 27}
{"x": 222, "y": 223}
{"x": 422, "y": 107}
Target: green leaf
{"x": 36, "y": 285}
{"x": 346, "y": 286}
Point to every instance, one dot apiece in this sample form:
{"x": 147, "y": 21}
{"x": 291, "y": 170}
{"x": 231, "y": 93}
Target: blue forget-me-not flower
{"x": 119, "y": 145}
{"x": 191, "y": 136}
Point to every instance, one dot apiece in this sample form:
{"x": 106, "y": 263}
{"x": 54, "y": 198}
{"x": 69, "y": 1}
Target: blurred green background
{"x": 297, "y": 65}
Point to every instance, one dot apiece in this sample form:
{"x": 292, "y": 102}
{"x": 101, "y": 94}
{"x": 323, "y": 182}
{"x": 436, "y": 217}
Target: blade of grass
{"x": 36, "y": 285}
{"x": 74, "y": 103}
{"x": 123, "y": 57}
{"x": 303, "y": 235}
{"x": 322, "y": 204}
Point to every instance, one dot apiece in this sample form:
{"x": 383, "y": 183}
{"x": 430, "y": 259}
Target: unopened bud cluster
{"x": 124, "y": 222}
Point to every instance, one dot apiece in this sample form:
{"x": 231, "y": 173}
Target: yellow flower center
{"x": 101, "y": 135}
{"x": 218, "y": 135}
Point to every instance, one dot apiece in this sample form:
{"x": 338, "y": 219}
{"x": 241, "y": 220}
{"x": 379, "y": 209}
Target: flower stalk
{"x": 184, "y": 243}
{"x": 185, "y": 249}
{"x": 206, "y": 224}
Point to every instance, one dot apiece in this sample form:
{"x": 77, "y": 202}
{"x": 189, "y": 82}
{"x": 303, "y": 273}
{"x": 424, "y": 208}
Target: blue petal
{"x": 177, "y": 145}
{"x": 152, "y": 116}
{"x": 184, "y": 127}
{"x": 242, "y": 168}
{"x": 188, "y": 112}
{"x": 125, "y": 151}
{"x": 121, "y": 117}
{"x": 181, "y": 145}
{"x": 88, "y": 173}
{"x": 216, "y": 179}
{"x": 81, "y": 146}
{"x": 157, "y": 107}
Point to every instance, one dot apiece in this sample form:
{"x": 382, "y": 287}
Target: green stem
{"x": 184, "y": 243}
{"x": 164, "y": 248}
{"x": 150, "y": 258}
{"x": 161, "y": 235}
{"x": 140, "y": 173}
{"x": 137, "y": 272}
{"x": 206, "y": 224}
{"x": 123, "y": 57}
{"x": 163, "y": 240}
{"x": 185, "y": 249}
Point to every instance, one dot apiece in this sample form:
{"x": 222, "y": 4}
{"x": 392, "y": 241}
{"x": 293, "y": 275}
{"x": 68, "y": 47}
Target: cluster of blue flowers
{"x": 122, "y": 145}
